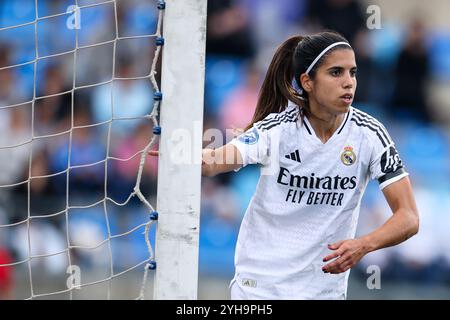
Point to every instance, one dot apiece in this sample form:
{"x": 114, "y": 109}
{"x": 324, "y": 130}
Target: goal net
{"x": 80, "y": 103}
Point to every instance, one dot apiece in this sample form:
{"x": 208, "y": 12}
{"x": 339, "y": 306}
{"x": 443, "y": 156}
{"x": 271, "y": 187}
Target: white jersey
{"x": 308, "y": 196}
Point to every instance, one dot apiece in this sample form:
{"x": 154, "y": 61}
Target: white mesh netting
{"x": 79, "y": 104}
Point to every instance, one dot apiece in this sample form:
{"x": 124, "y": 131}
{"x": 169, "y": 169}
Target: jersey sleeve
{"x": 386, "y": 165}
{"x": 254, "y": 146}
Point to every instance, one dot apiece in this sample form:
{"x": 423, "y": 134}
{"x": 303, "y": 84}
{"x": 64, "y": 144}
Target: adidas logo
{"x": 294, "y": 156}
{"x": 249, "y": 283}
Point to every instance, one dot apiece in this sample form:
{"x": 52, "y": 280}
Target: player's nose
{"x": 348, "y": 81}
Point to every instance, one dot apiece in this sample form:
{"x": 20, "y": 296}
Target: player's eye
{"x": 335, "y": 72}
{"x": 353, "y": 72}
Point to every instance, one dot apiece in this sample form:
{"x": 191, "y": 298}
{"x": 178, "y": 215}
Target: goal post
{"x": 179, "y": 168}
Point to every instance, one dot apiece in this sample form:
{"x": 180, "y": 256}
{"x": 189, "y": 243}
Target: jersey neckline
{"x": 309, "y": 128}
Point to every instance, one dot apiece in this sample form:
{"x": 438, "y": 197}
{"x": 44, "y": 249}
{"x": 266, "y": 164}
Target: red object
{"x": 6, "y": 273}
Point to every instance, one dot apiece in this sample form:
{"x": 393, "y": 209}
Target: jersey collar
{"x": 338, "y": 131}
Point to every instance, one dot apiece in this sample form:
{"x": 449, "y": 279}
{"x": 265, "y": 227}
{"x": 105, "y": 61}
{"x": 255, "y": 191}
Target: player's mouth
{"x": 347, "y": 98}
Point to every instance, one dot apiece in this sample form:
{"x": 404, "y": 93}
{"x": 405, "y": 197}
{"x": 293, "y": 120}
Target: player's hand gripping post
{"x": 215, "y": 161}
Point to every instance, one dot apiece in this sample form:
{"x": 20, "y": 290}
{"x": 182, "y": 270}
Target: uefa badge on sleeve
{"x": 348, "y": 157}
{"x": 250, "y": 137}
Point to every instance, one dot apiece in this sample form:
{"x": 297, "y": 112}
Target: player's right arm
{"x": 251, "y": 147}
{"x": 214, "y": 161}
{"x": 224, "y": 159}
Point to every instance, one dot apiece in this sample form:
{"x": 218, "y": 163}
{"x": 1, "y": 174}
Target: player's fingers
{"x": 347, "y": 266}
{"x": 332, "y": 256}
{"x": 339, "y": 252}
{"x": 335, "y": 245}
{"x": 154, "y": 153}
{"x": 333, "y": 266}
{"x": 342, "y": 268}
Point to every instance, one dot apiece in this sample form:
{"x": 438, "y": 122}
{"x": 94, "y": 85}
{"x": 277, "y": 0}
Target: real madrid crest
{"x": 348, "y": 157}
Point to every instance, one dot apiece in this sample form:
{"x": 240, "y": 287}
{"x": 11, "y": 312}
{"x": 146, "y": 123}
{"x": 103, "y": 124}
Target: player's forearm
{"x": 209, "y": 169}
{"x": 223, "y": 159}
{"x": 401, "y": 226}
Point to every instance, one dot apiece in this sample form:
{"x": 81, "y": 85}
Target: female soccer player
{"x": 297, "y": 238}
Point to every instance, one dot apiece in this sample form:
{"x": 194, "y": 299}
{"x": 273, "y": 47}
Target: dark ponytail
{"x": 277, "y": 87}
{"x": 292, "y": 59}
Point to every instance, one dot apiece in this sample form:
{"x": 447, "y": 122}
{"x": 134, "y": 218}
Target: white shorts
{"x": 239, "y": 291}
{"x": 242, "y": 288}
{"x": 236, "y": 292}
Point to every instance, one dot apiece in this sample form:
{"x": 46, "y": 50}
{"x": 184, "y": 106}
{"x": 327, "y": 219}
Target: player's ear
{"x": 306, "y": 81}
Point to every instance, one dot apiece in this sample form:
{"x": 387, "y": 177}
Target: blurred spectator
{"x": 222, "y": 76}
{"x": 6, "y": 272}
{"x": 5, "y": 76}
{"x": 343, "y": 16}
{"x": 49, "y": 112}
{"x": 239, "y": 106}
{"x": 87, "y": 228}
{"x": 271, "y": 21}
{"x": 366, "y": 67}
{"x": 15, "y": 131}
{"x": 284, "y": 17}
{"x": 9, "y": 94}
{"x": 47, "y": 195}
{"x": 124, "y": 99}
{"x": 411, "y": 73}
{"x": 6, "y": 275}
{"x": 39, "y": 187}
{"x": 228, "y": 31}
{"x": 214, "y": 197}
{"x": 45, "y": 239}
{"x": 126, "y": 171}
{"x": 136, "y": 17}
{"x": 86, "y": 148}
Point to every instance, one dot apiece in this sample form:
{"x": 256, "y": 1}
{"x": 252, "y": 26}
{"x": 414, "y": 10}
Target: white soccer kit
{"x": 308, "y": 196}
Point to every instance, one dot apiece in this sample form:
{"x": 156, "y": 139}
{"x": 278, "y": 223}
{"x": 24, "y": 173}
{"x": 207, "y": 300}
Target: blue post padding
{"x": 159, "y": 41}
{"x": 152, "y": 265}
{"x": 154, "y": 215}
{"x": 161, "y": 4}
{"x": 157, "y": 130}
{"x": 157, "y": 96}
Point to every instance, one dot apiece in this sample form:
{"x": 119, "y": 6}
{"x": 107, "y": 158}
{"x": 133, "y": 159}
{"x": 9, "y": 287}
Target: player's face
{"x": 334, "y": 84}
